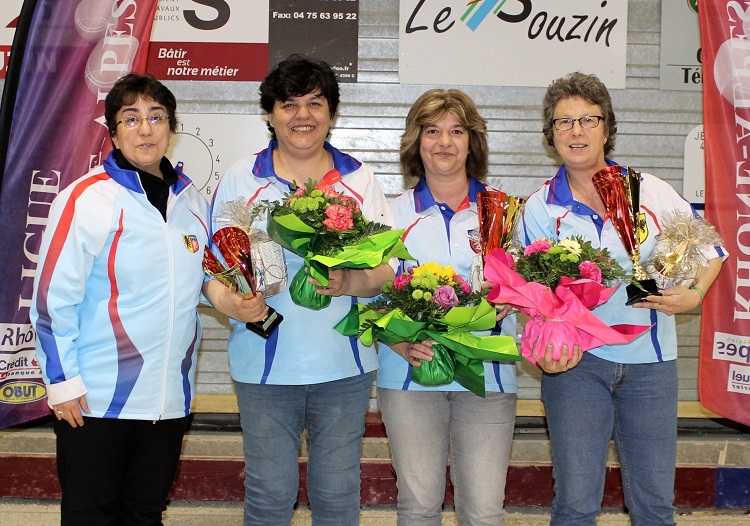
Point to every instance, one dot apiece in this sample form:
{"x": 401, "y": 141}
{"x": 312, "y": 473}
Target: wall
{"x": 652, "y": 128}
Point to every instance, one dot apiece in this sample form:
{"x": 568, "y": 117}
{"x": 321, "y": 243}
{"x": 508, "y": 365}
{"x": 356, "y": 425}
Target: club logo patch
{"x": 191, "y": 242}
{"x": 474, "y": 242}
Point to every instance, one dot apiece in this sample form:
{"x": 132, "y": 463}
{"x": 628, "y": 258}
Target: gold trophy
{"x": 498, "y": 215}
{"x": 234, "y": 244}
{"x": 621, "y": 196}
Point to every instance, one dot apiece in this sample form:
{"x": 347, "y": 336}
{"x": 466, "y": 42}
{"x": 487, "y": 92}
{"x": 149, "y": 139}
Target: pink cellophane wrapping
{"x": 561, "y": 317}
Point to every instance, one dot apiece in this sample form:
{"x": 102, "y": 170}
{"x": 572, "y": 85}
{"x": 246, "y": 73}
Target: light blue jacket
{"x": 115, "y": 296}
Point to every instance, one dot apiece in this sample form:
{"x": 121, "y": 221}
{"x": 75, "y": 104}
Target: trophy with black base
{"x": 234, "y": 245}
{"x": 621, "y": 194}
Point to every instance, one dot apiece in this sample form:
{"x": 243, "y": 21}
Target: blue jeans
{"x": 636, "y": 404}
{"x": 423, "y": 426}
{"x": 273, "y": 418}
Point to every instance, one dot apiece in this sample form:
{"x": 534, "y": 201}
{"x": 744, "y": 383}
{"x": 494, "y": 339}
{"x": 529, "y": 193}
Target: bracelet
{"x": 699, "y": 291}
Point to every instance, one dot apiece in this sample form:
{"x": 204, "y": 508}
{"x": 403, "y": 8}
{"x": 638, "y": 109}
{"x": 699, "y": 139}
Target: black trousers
{"x": 117, "y": 472}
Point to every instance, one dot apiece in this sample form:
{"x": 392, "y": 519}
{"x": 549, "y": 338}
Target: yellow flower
{"x": 445, "y": 273}
{"x": 571, "y": 245}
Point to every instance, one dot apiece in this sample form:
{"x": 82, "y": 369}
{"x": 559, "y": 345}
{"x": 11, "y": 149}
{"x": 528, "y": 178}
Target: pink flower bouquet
{"x": 329, "y": 231}
{"x": 557, "y": 284}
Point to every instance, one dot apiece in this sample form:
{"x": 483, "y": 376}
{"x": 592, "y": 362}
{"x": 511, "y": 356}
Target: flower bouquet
{"x": 557, "y": 284}
{"x": 329, "y": 231}
{"x": 431, "y": 302}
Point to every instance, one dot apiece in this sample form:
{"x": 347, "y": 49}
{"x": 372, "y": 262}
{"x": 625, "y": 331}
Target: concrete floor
{"x": 23, "y": 512}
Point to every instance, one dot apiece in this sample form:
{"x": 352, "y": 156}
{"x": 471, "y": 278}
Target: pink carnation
{"x": 349, "y": 202}
{"x": 328, "y": 191}
{"x": 300, "y": 191}
{"x": 339, "y": 218}
{"x": 464, "y": 286}
{"x": 402, "y": 281}
{"x": 445, "y": 296}
{"x": 590, "y": 271}
{"x": 540, "y": 245}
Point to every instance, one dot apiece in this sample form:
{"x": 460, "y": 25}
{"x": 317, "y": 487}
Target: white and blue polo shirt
{"x": 434, "y": 232}
{"x": 551, "y": 212}
{"x": 305, "y": 349}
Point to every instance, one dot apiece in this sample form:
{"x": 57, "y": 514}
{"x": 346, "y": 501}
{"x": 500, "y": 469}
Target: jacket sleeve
{"x": 78, "y": 228}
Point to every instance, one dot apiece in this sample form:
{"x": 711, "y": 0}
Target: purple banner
{"x": 73, "y": 54}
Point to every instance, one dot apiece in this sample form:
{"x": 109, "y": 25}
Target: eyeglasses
{"x": 131, "y": 121}
{"x": 587, "y": 122}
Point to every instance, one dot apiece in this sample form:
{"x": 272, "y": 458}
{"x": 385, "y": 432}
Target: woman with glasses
{"x": 626, "y": 392}
{"x": 118, "y": 281}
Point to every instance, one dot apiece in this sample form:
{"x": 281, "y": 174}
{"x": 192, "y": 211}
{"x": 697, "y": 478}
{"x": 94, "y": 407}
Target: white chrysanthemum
{"x": 571, "y": 245}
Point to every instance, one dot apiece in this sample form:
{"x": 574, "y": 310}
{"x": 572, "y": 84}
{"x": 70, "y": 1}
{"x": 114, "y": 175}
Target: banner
{"x": 724, "y": 366}
{"x": 53, "y": 116}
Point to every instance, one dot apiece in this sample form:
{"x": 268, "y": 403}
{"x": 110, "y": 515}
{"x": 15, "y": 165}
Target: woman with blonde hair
{"x": 445, "y": 146}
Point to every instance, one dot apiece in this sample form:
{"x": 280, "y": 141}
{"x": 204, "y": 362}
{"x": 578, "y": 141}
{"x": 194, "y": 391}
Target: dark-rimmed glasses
{"x": 586, "y": 122}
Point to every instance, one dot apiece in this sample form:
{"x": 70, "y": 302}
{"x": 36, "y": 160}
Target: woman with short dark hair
{"x": 115, "y": 295}
{"x": 305, "y": 376}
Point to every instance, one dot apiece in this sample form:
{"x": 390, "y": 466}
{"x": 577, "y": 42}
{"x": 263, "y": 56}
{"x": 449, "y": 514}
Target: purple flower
{"x": 445, "y": 296}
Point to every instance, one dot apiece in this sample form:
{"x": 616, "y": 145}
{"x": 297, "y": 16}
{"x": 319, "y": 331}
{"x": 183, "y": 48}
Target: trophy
{"x": 498, "y": 214}
{"x": 678, "y": 257}
{"x": 234, "y": 244}
{"x": 213, "y": 267}
{"x": 621, "y": 197}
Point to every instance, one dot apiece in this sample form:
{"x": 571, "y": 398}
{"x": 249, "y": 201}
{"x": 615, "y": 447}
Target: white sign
{"x": 211, "y": 21}
{"x": 8, "y": 16}
{"x": 694, "y": 178}
{"x": 209, "y": 143}
{"x": 680, "y": 65}
{"x": 511, "y": 42}
{"x": 211, "y": 40}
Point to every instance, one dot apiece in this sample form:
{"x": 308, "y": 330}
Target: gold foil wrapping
{"x": 679, "y": 257}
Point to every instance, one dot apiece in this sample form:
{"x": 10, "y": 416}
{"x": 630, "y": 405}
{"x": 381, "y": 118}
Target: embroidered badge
{"x": 191, "y": 242}
{"x": 474, "y": 243}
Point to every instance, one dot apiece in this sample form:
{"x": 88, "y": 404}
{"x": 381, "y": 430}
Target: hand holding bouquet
{"x": 431, "y": 302}
{"x": 556, "y": 284}
{"x": 329, "y": 231}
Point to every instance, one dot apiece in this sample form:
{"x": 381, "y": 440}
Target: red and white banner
{"x": 724, "y": 369}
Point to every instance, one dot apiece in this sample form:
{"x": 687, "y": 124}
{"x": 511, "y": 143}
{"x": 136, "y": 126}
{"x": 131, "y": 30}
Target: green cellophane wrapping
{"x": 441, "y": 370}
{"x": 466, "y": 350}
{"x": 292, "y": 233}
